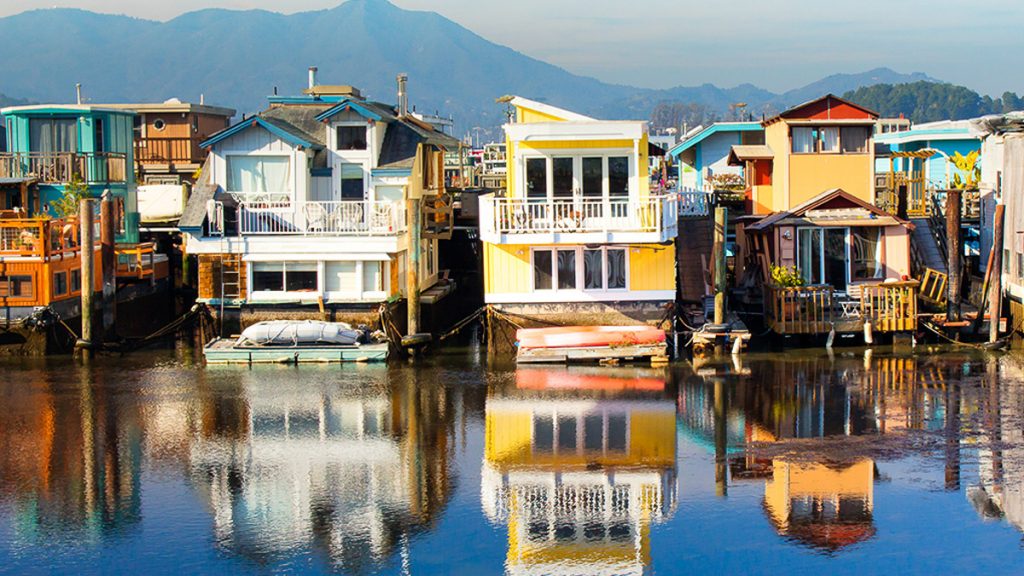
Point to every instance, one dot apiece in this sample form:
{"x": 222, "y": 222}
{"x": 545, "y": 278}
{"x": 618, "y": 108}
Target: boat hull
{"x": 221, "y": 351}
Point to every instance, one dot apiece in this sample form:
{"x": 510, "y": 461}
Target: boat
{"x": 295, "y": 342}
{"x": 589, "y": 343}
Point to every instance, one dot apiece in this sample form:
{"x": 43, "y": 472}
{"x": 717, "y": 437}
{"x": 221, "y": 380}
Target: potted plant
{"x": 787, "y": 277}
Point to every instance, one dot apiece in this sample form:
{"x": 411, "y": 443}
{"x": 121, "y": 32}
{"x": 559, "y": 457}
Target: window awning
{"x": 741, "y": 153}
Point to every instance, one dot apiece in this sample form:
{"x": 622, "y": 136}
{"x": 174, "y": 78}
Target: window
{"x": 50, "y": 135}
{"x": 536, "y": 178}
{"x": 567, "y": 269}
{"x": 566, "y": 433}
{"x": 593, "y": 269}
{"x": 544, "y": 434}
{"x": 159, "y": 125}
{"x": 76, "y": 280}
{"x": 829, "y": 139}
{"x": 259, "y": 174}
{"x": 100, "y": 137}
{"x": 16, "y": 286}
{"x": 300, "y": 277}
{"x": 284, "y": 277}
{"x": 137, "y": 126}
{"x": 604, "y": 269}
{"x": 618, "y": 176}
{"x": 593, "y": 177}
{"x": 542, "y": 264}
{"x": 803, "y": 140}
{"x": 615, "y": 270}
{"x": 341, "y": 277}
{"x": 351, "y": 138}
{"x": 373, "y": 277}
{"x": 268, "y": 277}
{"x": 352, "y": 182}
{"x": 1020, "y": 265}
{"x": 561, "y": 178}
{"x": 855, "y": 139}
{"x": 822, "y": 256}
{"x": 866, "y": 254}
{"x": 60, "y": 283}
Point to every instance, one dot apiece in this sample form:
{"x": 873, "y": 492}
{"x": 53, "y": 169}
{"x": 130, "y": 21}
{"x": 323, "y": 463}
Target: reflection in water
{"x": 578, "y": 464}
{"x": 70, "y": 459}
{"x": 999, "y": 490}
{"x": 350, "y": 470}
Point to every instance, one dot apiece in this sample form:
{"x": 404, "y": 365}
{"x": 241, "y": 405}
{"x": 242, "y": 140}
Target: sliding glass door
{"x": 823, "y": 256}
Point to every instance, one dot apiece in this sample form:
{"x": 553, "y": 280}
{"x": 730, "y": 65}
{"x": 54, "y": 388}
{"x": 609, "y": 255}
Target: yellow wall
{"x": 764, "y": 200}
{"x": 581, "y": 144}
{"x": 776, "y": 136}
{"x": 812, "y": 174}
{"x": 652, "y": 268}
{"x": 507, "y": 267}
{"x": 811, "y": 479}
{"x": 528, "y": 116}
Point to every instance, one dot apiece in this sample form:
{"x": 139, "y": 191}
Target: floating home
{"x": 578, "y": 236}
{"x": 52, "y": 147}
{"x": 325, "y": 205}
{"x": 810, "y": 189}
{"x": 705, "y": 152}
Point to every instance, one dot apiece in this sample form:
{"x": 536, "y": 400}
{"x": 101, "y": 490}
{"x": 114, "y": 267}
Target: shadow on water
{"x": 362, "y": 469}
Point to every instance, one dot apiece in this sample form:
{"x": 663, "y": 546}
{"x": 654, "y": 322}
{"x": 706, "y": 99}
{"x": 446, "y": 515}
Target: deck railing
{"x": 167, "y": 150}
{"x": 655, "y": 214}
{"x": 799, "y": 310}
{"x": 925, "y": 202}
{"x": 891, "y": 306}
{"x": 933, "y": 287}
{"x": 38, "y": 237}
{"x": 61, "y": 167}
{"x": 340, "y": 218}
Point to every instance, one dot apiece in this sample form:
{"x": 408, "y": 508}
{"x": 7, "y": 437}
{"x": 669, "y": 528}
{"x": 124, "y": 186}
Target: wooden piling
{"x": 718, "y": 248}
{"x": 85, "y": 219}
{"x": 412, "y": 272}
{"x": 995, "y": 296}
{"x": 954, "y": 251}
{"x": 108, "y": 264}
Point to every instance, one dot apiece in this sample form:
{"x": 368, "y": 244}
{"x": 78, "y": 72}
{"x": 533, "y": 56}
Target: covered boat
{"x": 293, "y": 342}
{"x": 582, "y": 343}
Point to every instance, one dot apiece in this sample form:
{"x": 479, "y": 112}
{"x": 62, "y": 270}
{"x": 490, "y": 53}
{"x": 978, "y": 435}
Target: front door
{"x": 823, "y": 256}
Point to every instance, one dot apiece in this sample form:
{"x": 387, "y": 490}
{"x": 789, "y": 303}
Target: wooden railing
{"x": 922, "y": 201}
{"x": 800, "y": 310}
{"x": 135, "y": 261}
{"x": 38, "y": 237}
{"x": 933, "y": 287}
{"x": 167, "y": 151}
{"x": 891, "y": 307}
{"x": 62, "y": 167}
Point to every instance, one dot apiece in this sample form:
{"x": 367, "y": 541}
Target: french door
{"x": 823, "y": 255}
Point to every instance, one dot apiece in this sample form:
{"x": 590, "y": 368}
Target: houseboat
{"x": 703, "y": 156}
{"x": 56, "y": 154}
{"x": 578, "y": 237}
{"x": 323, "y": 206}
{"x": 823, "y": 255}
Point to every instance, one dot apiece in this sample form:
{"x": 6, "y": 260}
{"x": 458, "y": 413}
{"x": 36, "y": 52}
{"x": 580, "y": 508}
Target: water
{"x": 797, "y": 463}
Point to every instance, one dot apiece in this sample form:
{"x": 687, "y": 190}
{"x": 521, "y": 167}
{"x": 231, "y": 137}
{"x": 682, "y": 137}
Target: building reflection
{"x": 347, "y": 471}
{"x": 70, "y": 459}
{"x": 578, "y": 465}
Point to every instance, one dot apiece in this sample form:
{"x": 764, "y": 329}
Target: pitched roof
{"x": 740, "y": 153}
{"x": 714, "y": 129}
{"x": 818, "y": 202}
{"x": 369, "y": 110}
{"x": 828, "y": 100}
{"x": 296, "y": 124}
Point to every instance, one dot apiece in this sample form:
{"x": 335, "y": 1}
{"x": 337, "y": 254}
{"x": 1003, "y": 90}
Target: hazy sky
{"x": 775, "y": 44}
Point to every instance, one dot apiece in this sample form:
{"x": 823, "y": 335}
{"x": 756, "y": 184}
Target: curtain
{"x": 50, "y": 135}
{"x": 259, "y": 174}
{"x": 855, "y": 139}
{"x": 803, "y": 140}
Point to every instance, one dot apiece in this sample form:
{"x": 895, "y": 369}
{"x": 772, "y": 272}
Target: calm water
{"x": 794, "y": 463}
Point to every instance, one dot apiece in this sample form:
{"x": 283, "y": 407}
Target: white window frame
{"x": 278, "y": 295}
{"x": 577, "y": 155}
{"x": 361, "y": 293}
{"x": 821, "y": 249}
{"x": 581, "y": 419}
{"x": 244, "y": 194}
{"x": 580, "y": 270}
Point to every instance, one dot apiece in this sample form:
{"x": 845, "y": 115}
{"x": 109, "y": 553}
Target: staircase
{"x": 693, "y": 255}
{"x": 929, "y": 245}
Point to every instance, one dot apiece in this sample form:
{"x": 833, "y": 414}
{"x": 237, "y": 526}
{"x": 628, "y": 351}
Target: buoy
{"x": 831, "y": 338}
{"x": 868, "y": 335}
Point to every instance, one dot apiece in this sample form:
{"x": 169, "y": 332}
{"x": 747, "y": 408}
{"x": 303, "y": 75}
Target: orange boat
{"x": 589, "y": 336}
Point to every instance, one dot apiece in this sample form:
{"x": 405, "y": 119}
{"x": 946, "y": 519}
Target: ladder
{"x": 230, "y": 281}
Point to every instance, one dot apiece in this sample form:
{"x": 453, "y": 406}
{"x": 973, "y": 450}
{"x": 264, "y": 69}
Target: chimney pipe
{"x": 312, "y": 77}
{"x": 78, "y": 93}
{"x": 403, "y": 96}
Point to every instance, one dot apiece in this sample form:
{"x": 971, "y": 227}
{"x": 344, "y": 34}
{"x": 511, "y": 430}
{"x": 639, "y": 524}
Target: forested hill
{"x": 931, "y": 101}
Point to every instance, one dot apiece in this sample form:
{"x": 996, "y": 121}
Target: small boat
{"x": 589, "y": 343}
{"x": 294, "y": 342}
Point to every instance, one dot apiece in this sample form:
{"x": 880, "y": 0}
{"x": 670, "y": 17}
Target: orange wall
{"x": 42, "y": 279}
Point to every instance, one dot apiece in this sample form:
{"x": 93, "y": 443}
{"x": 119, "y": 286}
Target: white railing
{"x": 693, "y": 202}
{"x": 341, "y": 218}
{"x": 517, "y": 215}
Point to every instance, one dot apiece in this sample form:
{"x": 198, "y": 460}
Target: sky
{"x": 778, "y": 44}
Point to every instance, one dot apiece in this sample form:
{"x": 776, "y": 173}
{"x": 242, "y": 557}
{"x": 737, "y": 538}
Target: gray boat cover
{"x": 299, "y": 333}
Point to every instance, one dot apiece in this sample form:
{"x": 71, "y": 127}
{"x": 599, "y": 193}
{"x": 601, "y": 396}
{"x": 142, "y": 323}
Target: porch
{"x": 654, "y": 219}
{"x": 62, "y": 167}
{"x": 889, "y": 307}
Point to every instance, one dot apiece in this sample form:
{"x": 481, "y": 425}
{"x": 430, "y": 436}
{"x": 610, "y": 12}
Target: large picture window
{"x": 566, "y": 177}
{"x": 259, "y": 174}
{"x": 589, "y": 269}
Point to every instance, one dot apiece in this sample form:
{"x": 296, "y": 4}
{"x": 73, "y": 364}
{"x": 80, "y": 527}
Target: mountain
{"x": 931, "y": 101}
{"x": 237, "y": 58}
{"x": 6, "y": 100}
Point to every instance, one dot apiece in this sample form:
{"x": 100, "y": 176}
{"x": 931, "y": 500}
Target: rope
{"x": 462, "y": 324}
{"x": 951, "y": 341}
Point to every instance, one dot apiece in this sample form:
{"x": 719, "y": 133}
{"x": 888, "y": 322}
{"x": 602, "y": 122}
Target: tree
{"x": 67, "y": 205}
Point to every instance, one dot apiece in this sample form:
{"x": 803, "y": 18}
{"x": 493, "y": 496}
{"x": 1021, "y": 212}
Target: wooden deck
{"x": 889, "y": 307}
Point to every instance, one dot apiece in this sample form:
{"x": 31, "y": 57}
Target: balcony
{"x": 167, "y": 151}
{"x": 342, "y": 218}
{"x": 585, "y": 220}
{"x": 38, "y": 238}
{"x": 61, "y": 167}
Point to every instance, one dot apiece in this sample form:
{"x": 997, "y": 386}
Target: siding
{"x": 257, "y": 139}
{"x": 505, "y": 269}
{"x": 812, "y": 174}
{"x": 652, "y": 267}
